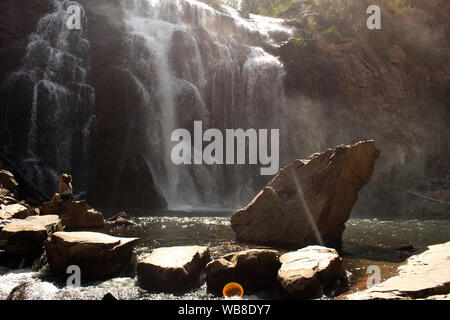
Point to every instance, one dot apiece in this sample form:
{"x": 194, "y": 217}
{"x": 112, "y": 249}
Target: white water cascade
{"x": 61, "y": 103}
{"x": 207, "y": 64}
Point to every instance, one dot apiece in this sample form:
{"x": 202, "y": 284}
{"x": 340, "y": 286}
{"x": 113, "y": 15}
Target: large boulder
{"x": 75, "y": 215}
{"x": 173, "y": 269}
{"x": 98, "y": 255}
{"x": 24, "y": 239}
{"x": 308, "y": 201}
{"x": 255, "y": 270}
{"x": 8, "y": 181}
{"x": 311, "y": 272}
{"x": 425, "y": 275}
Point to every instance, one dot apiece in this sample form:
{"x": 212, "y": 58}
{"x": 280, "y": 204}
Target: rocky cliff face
{"x": 391, "y": 85}
{"x": 135, "y": 67}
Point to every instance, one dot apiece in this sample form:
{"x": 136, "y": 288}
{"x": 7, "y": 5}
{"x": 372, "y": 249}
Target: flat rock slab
{"x": 26, "y": 237}
{"x": 425, "y": 275}
{"x": 308, "y": 201}
{"x": 311, "y": 272}
{"x": 75, "y": 215}
{"x": 173, "y": 269}
{"x": 255, "y": 270}
{"x": 98, "y": 255}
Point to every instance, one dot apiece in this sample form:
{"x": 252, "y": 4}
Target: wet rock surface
{"x": 16, "y": 211}
{"x": 98, "y": 255}
{"x": 425, "y": 275}
{"x": 311, "y": 272}
{"x": 24, "y": 238}
{"x": 75, "y": 215}
{"x": 173, "y": 269}
{"x": 255, "y": 270}
{"x": 310, "y": 200}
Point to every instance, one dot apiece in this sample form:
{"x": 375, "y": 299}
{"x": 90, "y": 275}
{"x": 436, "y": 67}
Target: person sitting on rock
{"x": 64, "y": 188}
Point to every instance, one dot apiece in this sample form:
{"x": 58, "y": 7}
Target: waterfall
{"x": 187, "y": 61}
{"x": 209, "y": 65}
{"x": 60, "y": 103}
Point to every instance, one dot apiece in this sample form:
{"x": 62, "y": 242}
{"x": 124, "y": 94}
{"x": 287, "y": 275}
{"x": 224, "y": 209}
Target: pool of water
{"x": 366, "y": 242}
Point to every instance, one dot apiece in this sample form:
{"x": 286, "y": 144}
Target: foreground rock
{"x": 98, "y": 255}
{"x": 309, "y": 201}
{"x": 426, "y": 275}
{"x": 311, "y": 272}
{"x": 173, "y": 269}
{"x": 24, "y": 239}
{"x": 256, "y": 270}
{"x": 16, "y": 211}
{"x": 75, "y": 215}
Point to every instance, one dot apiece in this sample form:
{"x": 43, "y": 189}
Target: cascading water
{"x": 207, "y": 65}
{"x": 56, "y": 99}
{"x": 189, "y": 61}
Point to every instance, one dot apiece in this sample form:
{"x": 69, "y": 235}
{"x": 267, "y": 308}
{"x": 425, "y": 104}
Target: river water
{"x": 365, "y": 242}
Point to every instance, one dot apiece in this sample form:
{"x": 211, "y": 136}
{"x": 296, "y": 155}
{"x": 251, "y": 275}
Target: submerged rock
{"x": 311, "y": 272}
{"x": 255, "y": 270}
{"x": 98, "y": 255}
{"x": 21, "y": 292}
{"x": 425, "y": 275}
{"x": 109, "y": 297}
{"x": 173, "y": 269}
{"x": 75, "y": 215}
{"x": 25, "y": 238}
{"x": 120, "y": 219}
{"x": 309, "y": 201}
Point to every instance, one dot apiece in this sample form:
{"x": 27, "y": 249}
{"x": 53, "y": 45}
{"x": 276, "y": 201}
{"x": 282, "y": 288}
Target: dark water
{"x": 365, "y": 242}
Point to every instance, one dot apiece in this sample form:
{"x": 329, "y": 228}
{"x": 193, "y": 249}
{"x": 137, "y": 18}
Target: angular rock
{"x": 25, "y": 238}
{"x": 8, "y": 181}
{"x": 173, "y": 269}
{"x": 123, "y": 222}
{"x": 120, "y": 219}
{"x": 310, "y": 272}
{"x": 118, "y": 215}
{"x": 109, "y": 297}
{"x": 308, "y": 201}
{"x": 256, "y": 270}
{"x": 98, "y": 255}
{"x": 425, "y": 275}
{"x": 16, "y": 211}
{"x": 75, "y": 215}
{"x": 21, "y": 292}
{"x": 5, "y": 192}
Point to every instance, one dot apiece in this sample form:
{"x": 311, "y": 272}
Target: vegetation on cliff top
{"x": 417, "y": 26}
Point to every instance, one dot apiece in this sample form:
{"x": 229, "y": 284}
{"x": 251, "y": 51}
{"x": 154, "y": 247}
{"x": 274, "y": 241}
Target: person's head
{"x": 66, "y": 178}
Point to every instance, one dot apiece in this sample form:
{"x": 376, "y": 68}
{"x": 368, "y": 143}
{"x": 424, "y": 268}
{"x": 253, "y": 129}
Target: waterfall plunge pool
{"x": 366, "y": 242}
